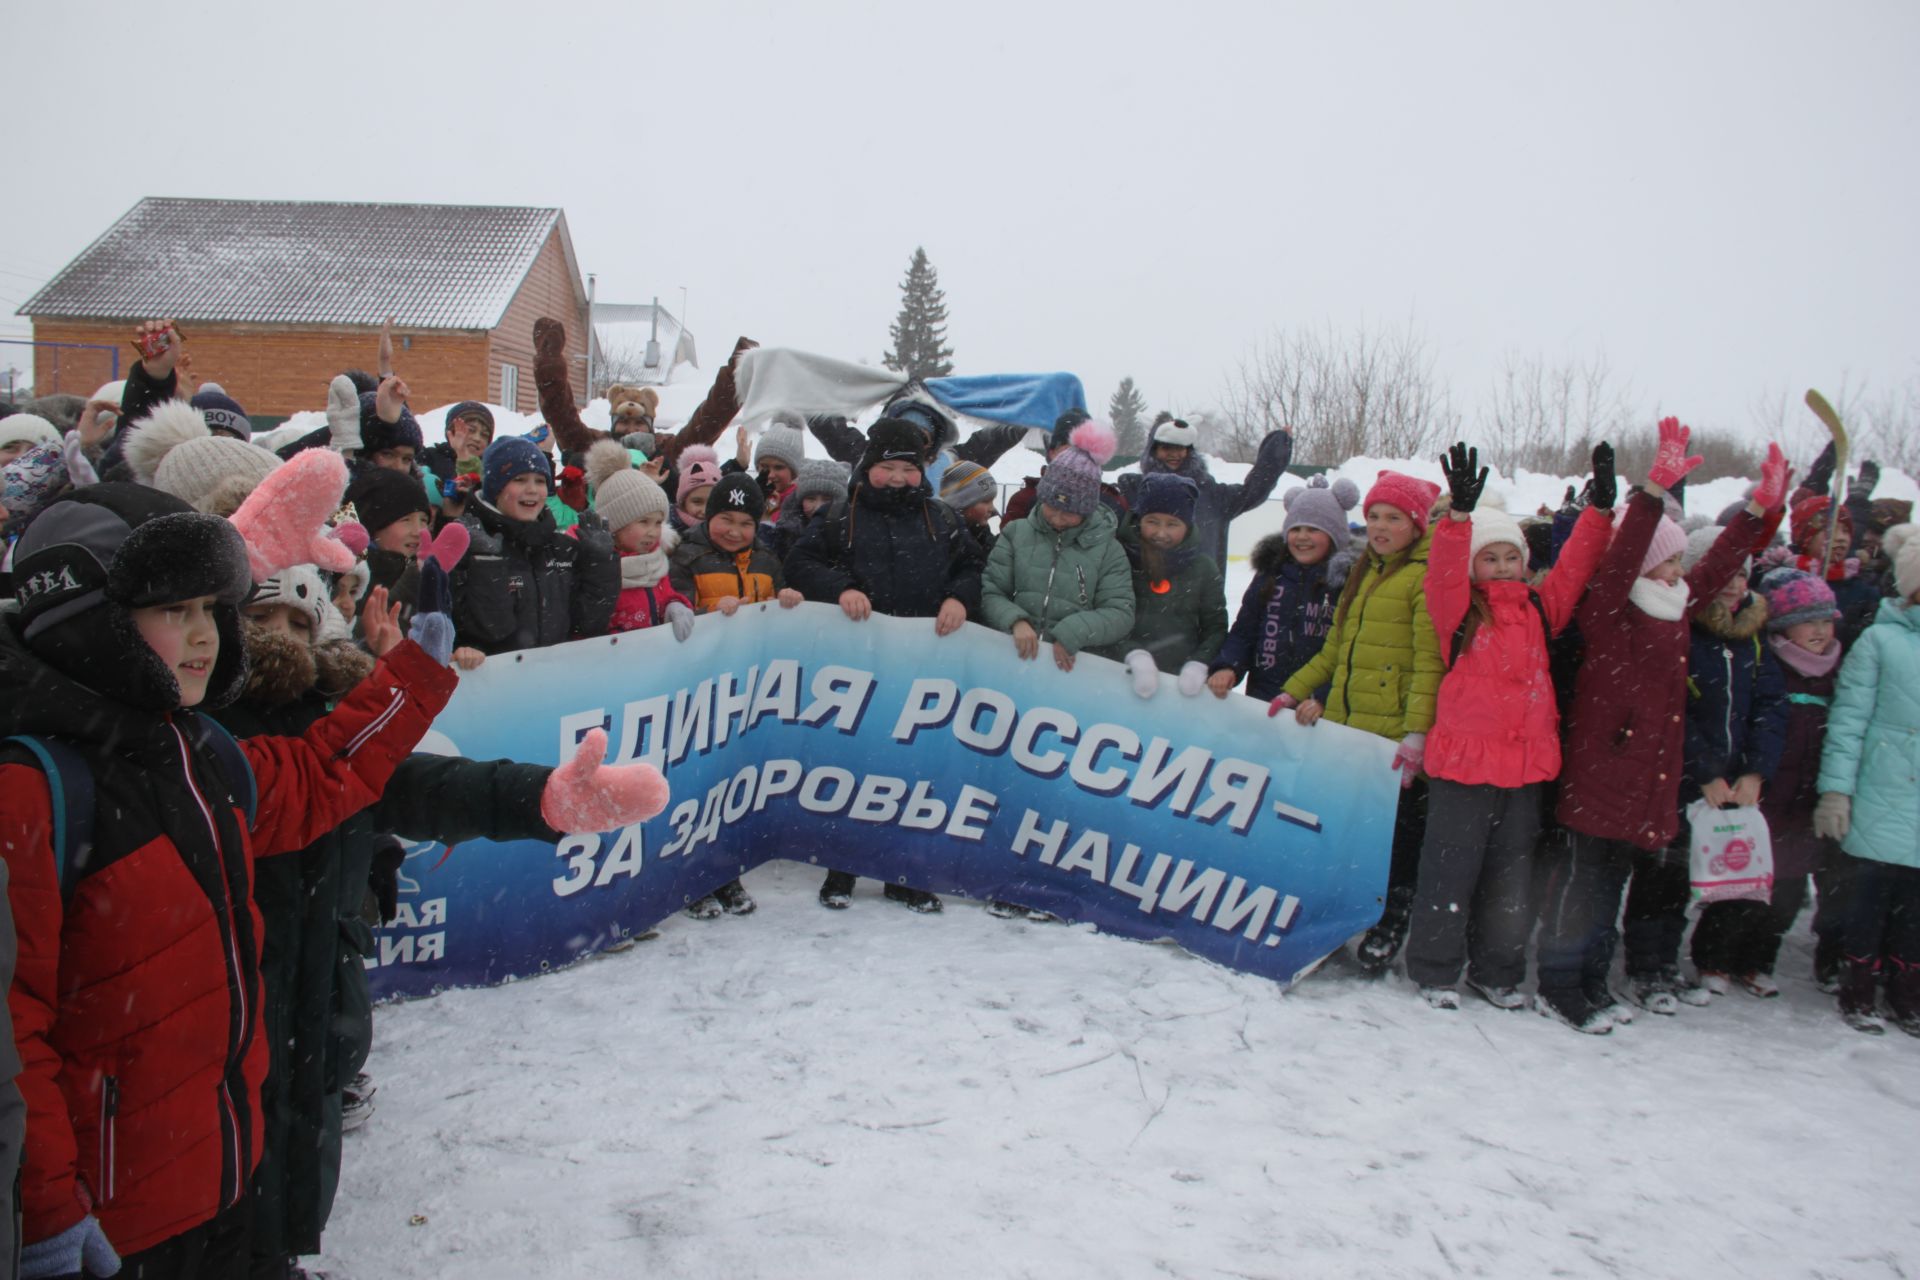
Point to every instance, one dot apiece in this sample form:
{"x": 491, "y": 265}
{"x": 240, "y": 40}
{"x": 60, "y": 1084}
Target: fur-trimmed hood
{"x": 1743, "y": 623}
{"x": 283, "y": 669}
{"x": 1271, "y": 554}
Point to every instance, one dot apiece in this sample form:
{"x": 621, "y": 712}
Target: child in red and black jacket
{"x": 136, "y": 999}
{"x": 1496, "y": 733}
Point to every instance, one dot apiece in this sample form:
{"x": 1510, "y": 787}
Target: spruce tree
{"x": 1128, "y": 410}
{"x": 920, "y": 334}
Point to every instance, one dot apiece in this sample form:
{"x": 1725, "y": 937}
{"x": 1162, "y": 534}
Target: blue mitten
{"x": 433, "y": 632}
{"x": 82, "y": 1249}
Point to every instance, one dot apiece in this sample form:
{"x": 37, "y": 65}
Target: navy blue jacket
{"x": 1736, "y": 699}
{"x": 1284, "y": 616}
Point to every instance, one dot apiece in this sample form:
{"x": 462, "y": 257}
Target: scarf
{"x": 1838, "y": 571}
{"x": 1658, "y": 600}
{"x": 1805, "y": 661}
{"x": 645, "y": 571}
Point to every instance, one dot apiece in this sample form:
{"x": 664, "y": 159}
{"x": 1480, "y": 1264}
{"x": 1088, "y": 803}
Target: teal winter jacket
{"x": 1872, "y": 751}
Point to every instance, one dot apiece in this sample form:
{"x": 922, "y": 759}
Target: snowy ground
{"x": 806, "y": 1093}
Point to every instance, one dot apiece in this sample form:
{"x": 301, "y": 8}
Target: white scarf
{"x": 645, "y": 571}
{"x": 1658, "y": 600}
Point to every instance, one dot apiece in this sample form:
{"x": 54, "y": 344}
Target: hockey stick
{"x": 1824, "y": 411}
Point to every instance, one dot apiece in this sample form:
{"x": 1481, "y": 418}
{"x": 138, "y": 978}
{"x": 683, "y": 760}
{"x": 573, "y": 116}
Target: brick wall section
{"x": 548, "y": 290}
{"x": 279, "y": 371}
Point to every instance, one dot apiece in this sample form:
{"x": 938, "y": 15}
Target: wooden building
{"x": 276, "y": 297}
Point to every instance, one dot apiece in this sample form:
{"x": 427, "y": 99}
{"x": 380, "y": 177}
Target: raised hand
{"x": 1604, "y": 488}
{"x": 284, "y": 519}
{"x": 1465, "y": 476}
{"x": 1772, "y": 491}
{"x": 390, "y": 399}
{"x": 158, "y": 342}
{"x": 1671, "y": 464}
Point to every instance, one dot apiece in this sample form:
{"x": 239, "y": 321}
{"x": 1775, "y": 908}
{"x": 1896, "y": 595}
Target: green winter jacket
{"x": 1075, "y": 586}
{"x": 1382, "y": 657}
{"x": 1185, "y": 620}
{"x": 1872, "y": 752}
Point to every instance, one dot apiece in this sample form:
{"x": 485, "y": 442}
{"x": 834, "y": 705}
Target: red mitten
{"x": 585, "y": 795}
{"x": 448, "y": 547}
{"x": 284, "y": 519}
{"x": 1671, "y": 464}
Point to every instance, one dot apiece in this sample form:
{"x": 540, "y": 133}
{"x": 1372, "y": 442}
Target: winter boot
{"x": 1829, "y": 964}
{"x": 1859, "y": 983}
{"x": 1716, "y": 983}
{"x": 356, "y": 1103}
{"x": 1759, "y": 984}
{"x": 734, "y": 899}
{"x": 1002, "y": 910}
{"x": 1600, "y": 995}
{"x": 836, "y": 891}
{"x": 914, "y": 899}
{"x": 707, "y": 908}
{"x": 1684, "y": 989}
{"x": 1441, "y": 997}
{"x": 1651, "y": 993}
{"x": 1574, "y": 1010}
{"x": 1903, "y": 996}
{"x": 1382, "y": 943}
{"x": 1499, "y": 997}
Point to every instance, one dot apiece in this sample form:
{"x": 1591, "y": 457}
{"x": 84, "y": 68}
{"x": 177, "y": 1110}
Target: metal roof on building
{"x": 293, "y": 262}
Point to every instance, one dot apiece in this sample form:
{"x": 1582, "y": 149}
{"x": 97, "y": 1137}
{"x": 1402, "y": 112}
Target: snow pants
{"x": 1883, "y": 916}
{"x": 1744, "y": 937}
{"x": 219, "y": 1249}
{"x": 1577, "y": 934}
{"x": 1657, "y": 910}
{"x": 1474, "y": 877}
{"x": 1403, "y": 872}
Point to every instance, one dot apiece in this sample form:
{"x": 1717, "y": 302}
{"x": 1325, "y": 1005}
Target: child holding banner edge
{"x": 889, "y": 547}
{"x": 1496, "y": 732}
{"x": 1179, "y": 597}
{"x": 1382, "y": 660}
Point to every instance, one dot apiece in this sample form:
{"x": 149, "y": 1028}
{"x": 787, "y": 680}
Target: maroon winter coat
{"x": 1626, "y": 730}
{"x": 1787, "y": 800}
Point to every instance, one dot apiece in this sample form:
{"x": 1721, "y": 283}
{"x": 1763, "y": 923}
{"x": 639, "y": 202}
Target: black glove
{"x": 1460, "y": 466}
{"x": 1605, "y": 487}
{"x": 1820, "y": 474}
{"x": 1863, "y": 484}
{"x": 384, "y": 880}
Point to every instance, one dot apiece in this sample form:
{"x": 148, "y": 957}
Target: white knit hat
{"x": 1493, "y": 526}
{"x": 173, "y": 451}
{"x": 1906, "y": 558}
{"x": 27, "y": 428}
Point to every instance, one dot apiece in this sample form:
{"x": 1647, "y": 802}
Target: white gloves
{"x": 1833, "y": 815}
{"x": 1146, "y": 676}
{"x": 343, "y": 414}
{"x": 1193, "y": 679}
{"x": 680, "y": 618}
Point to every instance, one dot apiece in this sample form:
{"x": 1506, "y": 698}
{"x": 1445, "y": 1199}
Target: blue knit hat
{"x": 222, "y": 411}
{"x": 1164, "y": 493}
{"x": 378, "y": 435}
{"x": 507, "y": 457}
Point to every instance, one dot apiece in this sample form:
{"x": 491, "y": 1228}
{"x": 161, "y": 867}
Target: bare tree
{"x": 1881, "y": 425}
{"x": 1548, "y": 417}
{"x": 1342, "y": 395}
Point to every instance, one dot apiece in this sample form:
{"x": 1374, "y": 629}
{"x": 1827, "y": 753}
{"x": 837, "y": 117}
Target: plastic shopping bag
{"x": 1731, "y": 854}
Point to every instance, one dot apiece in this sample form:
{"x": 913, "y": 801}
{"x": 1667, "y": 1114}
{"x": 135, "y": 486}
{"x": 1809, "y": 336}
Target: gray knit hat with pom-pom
{"x": 1317, "y": 505}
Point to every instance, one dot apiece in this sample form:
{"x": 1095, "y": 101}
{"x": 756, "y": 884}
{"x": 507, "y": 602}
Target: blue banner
{"x": 1022, "y": 399}
{"x": 878, "y": 748}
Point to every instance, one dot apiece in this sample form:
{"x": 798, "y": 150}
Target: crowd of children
{"x": 210, "y": 607}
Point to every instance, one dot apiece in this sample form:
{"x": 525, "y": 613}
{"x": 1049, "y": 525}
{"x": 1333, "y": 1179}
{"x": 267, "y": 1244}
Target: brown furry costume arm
{"x": 552, "y": 381}
{"x": 715, "y": 412}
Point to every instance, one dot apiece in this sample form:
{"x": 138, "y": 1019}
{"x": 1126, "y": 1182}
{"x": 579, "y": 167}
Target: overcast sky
{"x": 1718, "y": 197}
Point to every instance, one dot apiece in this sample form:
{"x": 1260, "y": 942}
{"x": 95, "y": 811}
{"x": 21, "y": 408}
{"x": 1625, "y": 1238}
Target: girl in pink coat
{"x": 1496, "y": 735}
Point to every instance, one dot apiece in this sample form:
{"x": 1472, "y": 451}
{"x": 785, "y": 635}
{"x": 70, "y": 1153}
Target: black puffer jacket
{"x": 316, "y": 1008}
{"x": 905, "y": 549}
{"x": 525, "y": 584}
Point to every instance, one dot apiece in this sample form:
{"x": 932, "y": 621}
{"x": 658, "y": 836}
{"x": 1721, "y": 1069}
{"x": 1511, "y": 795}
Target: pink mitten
{"x": 1671, "y": 464}
{"x": 284, "y": 519}
{"x": 1285, "y": 702}
{"x": 448, "y": 547}
{"x": 584, "y": 795}
{"x": 1411, "y": 757}
{"x": 1773, "y": 480}
{"x": 352, "y": 535}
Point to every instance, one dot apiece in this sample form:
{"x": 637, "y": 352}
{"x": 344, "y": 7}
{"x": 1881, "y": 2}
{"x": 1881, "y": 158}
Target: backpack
{"x": 71, "y": 793}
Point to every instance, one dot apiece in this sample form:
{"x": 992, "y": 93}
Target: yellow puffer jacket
{"x": 1382, "y": 656}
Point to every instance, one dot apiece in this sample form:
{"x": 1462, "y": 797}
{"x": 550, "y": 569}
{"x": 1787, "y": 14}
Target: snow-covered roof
{"x": 296, "y": 262}
{"x": 621, "y": 332}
